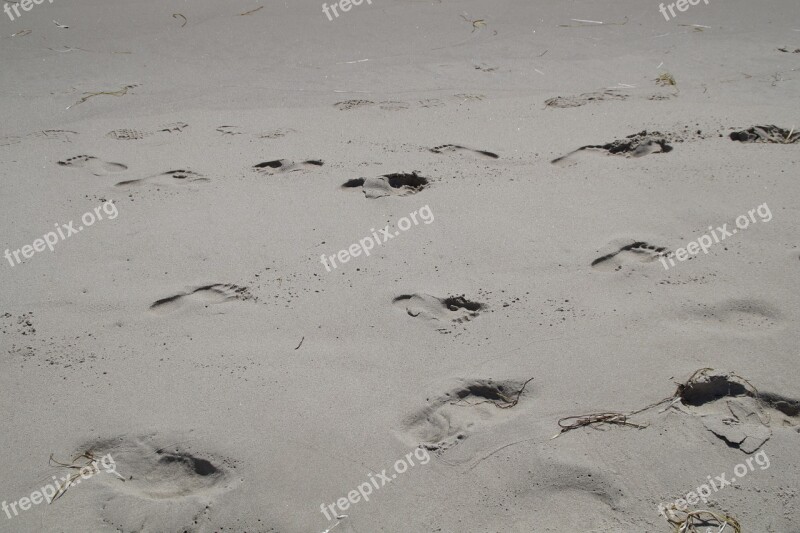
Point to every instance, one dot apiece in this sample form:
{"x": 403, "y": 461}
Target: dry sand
{"x": 198, "y": 339}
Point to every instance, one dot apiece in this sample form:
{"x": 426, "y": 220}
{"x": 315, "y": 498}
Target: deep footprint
{"x": 733, "y": 410}
{"x": 458, "y": 148}
{"x": 158, "y": 473}
{"x": 766, "y": 134}
{"x": 94, "y": 165}
{"x": 285, "y": 165}
{"x": 473, "y": 406}
{"x": 636, "y": 145}
{"x": 206, "y": 295}
{"x": 399, "y": 184}
{"x": 636, "y": 252}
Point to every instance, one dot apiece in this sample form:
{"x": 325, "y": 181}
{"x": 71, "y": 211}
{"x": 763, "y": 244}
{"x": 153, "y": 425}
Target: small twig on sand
{"x": 301, "y": 343}
{"x": 176, "y": 15}
{"x": 585, "y": 23}
{"x": 251, "y": 11}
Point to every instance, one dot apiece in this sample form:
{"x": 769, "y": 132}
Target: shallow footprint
{"x": 286, "y": 165}
{"x": 457, "y": 148}
{"x": 126, "y": 134}
{"x": 171, "y": 177}
{"x": 96, "y": 166}
{"x": 585, "y": 98}
{"x": 636, "y": 252}
{"x": 206, "y": 295}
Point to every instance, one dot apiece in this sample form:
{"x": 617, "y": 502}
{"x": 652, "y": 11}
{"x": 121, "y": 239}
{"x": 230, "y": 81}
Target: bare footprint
{"x": 206, "y": 295}
{"x": 135, "y": 135}
{"x": 733, "y": 410}
{"x": 585, "y": 98}
{"x": 636, "y": 145}
{"x": 171, "y": 177}
{"x": 351, "y": 104}
{"x": 458, "y": 148}
{"x": 735, "y": 317}
{"x": 285, "y": 165}
{"x": 96, "y": 166}
{"x": 399, "y": 184}
{"x": 636, "y": 252}
{"x": 472, "y": 406}
{"x": 453, "y": 309}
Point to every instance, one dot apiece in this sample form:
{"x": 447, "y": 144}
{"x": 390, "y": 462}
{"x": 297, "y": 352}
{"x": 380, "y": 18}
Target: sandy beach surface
{"x": 267, "y": 269}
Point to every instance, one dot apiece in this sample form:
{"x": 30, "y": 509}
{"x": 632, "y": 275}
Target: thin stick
{"x": 301, "y": 343}
{"x": 251, "y": 11}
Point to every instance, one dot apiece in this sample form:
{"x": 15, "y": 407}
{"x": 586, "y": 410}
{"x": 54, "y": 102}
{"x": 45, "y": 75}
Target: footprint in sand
{"x": 453, "y": 309}
{"x": 585, "y": 98}
{"x": 766, "y": 134}
{"x": 636, "y": 252}
{"x": 452, "y": 148}
{"x": 733, "y": 410}
{"x": 96, "y": 166}
{"x": 470, "y": 407}
{"x": 735, "y": 317}
{"x": 285, "y": 165}
{"x": 170, "y": 486}
{"x": 351, "y": 104}
{"x": 400, "y": 184}
{"x": 135, "y": 135}
{"x": 636, "y": 145}
{"x": 171, "y": 177}
{"x": 206, "y": 295}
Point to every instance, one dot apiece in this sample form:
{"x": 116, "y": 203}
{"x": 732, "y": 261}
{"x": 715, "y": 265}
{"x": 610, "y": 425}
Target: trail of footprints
{"x": 729, "y": 409}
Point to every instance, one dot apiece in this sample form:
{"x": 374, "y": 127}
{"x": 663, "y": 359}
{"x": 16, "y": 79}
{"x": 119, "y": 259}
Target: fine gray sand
{"x": 548, "y": 165}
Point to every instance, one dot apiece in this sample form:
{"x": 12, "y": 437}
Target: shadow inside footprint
{"x": 94, "y": 165}
{"x": 636, "y": 252}
{"x": 206, "y": 295}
